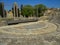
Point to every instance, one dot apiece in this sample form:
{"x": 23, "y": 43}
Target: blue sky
{"x": 49, "y": 3}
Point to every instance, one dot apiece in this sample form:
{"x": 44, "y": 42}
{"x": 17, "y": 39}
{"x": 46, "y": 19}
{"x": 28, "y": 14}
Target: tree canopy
{"x": 27, "y": 10}
{"x": 36, "y": 10}
{"x": 40, "y": 9}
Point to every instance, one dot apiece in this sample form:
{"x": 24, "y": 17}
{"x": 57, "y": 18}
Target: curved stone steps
{"x": 12, "y": 30}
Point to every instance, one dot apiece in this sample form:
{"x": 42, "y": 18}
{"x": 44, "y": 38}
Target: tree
{"x": 40, "y": 9}
{"x": 27, "y": 10}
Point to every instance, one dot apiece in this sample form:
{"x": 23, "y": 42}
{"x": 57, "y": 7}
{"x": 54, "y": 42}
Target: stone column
{"x": 2, "y": 12}
{"x": 21, "y": 10}
{"x": 18, "y": 13}
{"x": 14, "y": 11}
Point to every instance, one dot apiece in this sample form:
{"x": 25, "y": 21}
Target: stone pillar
{"x": 15, "y": 10}
{"x": 21, "y": 10}
{"x": 2, "y": 12}
{"x": 18, "y": 12}
{"x": 6, "y": 12}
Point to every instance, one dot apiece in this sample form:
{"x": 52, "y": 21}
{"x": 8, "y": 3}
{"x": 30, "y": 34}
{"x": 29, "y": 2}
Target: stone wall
{"x": 3, "y": 23}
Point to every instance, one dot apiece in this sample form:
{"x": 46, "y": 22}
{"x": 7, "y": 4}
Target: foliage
{"x": 27, "y": 10}
{"x": 40, "y": 9}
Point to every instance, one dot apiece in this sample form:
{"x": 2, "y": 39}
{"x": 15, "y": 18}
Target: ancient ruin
{"x": 16, "y": 29}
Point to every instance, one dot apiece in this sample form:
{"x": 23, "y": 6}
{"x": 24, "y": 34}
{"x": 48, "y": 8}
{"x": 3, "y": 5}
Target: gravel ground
{"x": 51, "y": 38}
